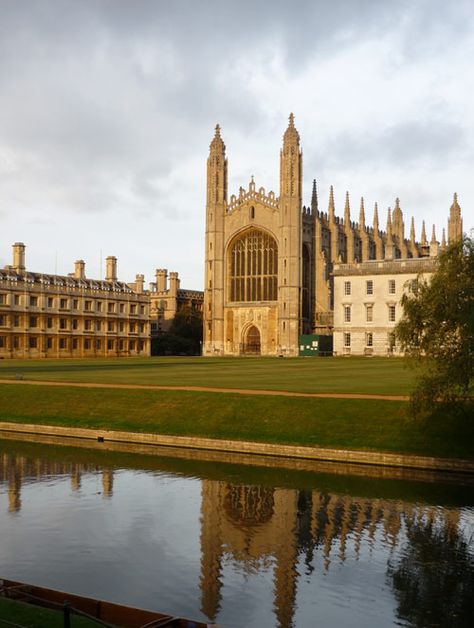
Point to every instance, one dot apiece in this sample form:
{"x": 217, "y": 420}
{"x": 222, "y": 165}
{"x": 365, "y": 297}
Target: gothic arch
{"x": 251, "y": 340}
{"x": 252, "y": 266}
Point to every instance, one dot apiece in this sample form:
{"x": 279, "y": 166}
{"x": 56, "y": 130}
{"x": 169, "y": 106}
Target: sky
{"x": 107, "y": 109}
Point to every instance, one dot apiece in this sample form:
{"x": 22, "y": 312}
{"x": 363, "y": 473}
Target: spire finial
{"x": 423, "y": 234}
{"x": 433, "y": 236}
{"x": 314, "y": 197}
{"x": 347, "y": 211}
{"x": 331, "y": 209}
{"x": 218, "y": 130}
{"x": 412, "y": 230}
{"x": 443, "y": 239}
{"x": 376, "y": 218}
{"x": 362, "y": 213}
{"x": 291, "y": 119}
{"x": 389, "y": 219}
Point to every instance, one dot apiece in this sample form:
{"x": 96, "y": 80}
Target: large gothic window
{"x": 253, "y": 267}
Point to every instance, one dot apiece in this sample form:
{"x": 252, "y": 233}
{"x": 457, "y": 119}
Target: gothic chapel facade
{"x": 269, "y": 260}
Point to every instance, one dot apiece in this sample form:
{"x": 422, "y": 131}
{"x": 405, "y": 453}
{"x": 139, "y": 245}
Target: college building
{"x": 52, "y": 316}
{"x": 280, "y": 277}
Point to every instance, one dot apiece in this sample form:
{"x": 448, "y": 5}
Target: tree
{"x": 437, "y": 329}
{"x": 184, "y": 336}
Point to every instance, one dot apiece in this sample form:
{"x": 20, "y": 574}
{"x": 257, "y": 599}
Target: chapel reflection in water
{"x": 261, "y": 527}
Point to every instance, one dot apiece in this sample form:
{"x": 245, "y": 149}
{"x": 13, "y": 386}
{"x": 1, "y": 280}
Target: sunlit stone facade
{"x": 46, "y": 316}
{"x": 273, "y": 266}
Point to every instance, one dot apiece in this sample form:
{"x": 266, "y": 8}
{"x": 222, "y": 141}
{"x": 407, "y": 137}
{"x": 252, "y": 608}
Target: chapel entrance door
{"x": 252, "y": 341}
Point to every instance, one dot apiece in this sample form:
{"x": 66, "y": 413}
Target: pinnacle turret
{"x": 314, "y": 198}
{"x": 217, "y": 144}
{"x": 347, "y": 212}
{"x": 362, "y": 215}
{"x": 291, "y": 135}
{"x": 331, "y": 208}
{"x": 424, "y": 241}
{"x": 376, "y": 218}
{"x": 412, "y": 231}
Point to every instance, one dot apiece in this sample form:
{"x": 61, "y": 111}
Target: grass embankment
{"x": 30, "y": 616}
{"x": 376, "y": 425}
{"x": 328, "y": 375}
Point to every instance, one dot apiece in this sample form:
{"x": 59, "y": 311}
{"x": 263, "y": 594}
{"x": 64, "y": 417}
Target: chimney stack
{"x": 111, "y": 268}
{"x": 19, "y": 257}
{"x": 139, "y": 283}
{"x": 79, "y": 269}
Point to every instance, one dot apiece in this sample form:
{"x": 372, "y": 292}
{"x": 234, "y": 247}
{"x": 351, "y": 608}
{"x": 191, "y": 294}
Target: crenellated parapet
{"x": 246, "y": 197}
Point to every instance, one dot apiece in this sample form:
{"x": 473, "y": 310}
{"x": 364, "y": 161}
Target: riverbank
{"x": 362, "y": 425}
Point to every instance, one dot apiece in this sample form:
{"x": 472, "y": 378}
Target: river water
{"x": 245, "y": 546}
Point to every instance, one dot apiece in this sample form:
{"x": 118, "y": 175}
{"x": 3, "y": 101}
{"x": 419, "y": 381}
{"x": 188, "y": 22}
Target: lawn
{"x": 340, "y": 375}
{"x": 376, "y": 425}
{"x": 24, "y": 615}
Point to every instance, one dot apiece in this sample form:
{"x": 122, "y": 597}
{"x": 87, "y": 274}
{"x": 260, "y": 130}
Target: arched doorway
{"x": 252, "y": 341}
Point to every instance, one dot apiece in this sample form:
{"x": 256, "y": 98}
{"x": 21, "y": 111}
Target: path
{"x": 213, "y": 389}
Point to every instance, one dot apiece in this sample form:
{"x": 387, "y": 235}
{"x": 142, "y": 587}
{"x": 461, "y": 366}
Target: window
{"x": 347, "y": 340}
{"x": 369, "y": 313}
{"x": 3, "y": 320}
{"x": 50, "y": 302}
{"x": 62, "y": 343}
{"x": 369, "y": 339}
{"x": 97, "y": 344}
{"x": 75, "y": 323}
{"x": 110, "y": 308}
{"x": 110, "y": 345}
{"x": 347, "y": 288}
{"x": 391, "y": 286}
{"x": 75, "y": 304}
{"x": 122, "y": 308}
{"x": 63, "y": 304}
{"x": 141, "y": 345}
{"x": 33, "y": 342}
{"x": 87, "y": 343}
{"x": 142, "y": 309}
{"x": 132, "y": 328}
{"x": 74, "y": 343}
{"x": 120, "y": 345}
{"x": 369, "y": 287}
{"x": 133, "y": 309}
{"x": 62, "y": 323}
{"x": 34, "y": 301}
{"x": 347, "y": 313}
{"x": 49, "y": 323}
{"x": 99, "y": 306}
{"x": 121, "y": 326}
{"x": 253, "y": 267}
{"x": 16, "y": 321}
{"x": 132, "y": 345}
{"x": 33, "y": 321}
{"x": 3, "y": 342}
{"x": 49, "y": 343}
{"x": 391, "y": 313}
{"x": 88, "y": 306}
{"x": 110, "y": 326}
{"x": 17, "y": 299}
{"x": 142, "y": 327}
{"x": 16, "y": 342}
{"x": 97, "y": 325}
{"x": 88, "y": 325}
{"x": 391, "y": 341}
{"x": 3, "y": 299}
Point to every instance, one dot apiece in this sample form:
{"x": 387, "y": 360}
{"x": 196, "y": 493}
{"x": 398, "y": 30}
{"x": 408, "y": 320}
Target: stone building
{"x": 168, "y": 299}
{"x": 43, "y": 315}
{"x": 270, "y": 261}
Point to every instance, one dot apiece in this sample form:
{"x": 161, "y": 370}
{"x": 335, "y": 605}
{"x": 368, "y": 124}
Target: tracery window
{"x": 253, "y": 267}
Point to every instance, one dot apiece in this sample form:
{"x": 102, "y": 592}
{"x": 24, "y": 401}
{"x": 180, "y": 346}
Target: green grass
{"x": 376, "y": 425}
{"x": 31, "y": 616}
{"x": 349, "y": 375}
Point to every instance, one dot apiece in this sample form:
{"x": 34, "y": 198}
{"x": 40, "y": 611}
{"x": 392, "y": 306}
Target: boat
{"x": 105, "y": 613}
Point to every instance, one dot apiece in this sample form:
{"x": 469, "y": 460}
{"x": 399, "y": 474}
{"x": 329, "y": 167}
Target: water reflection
{"x": 295, "y": 533}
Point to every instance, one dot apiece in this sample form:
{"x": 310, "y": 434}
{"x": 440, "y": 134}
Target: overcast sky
{"x": 107, "y": 109}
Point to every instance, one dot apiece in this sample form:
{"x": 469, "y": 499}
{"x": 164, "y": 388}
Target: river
{"x": 241, "y": 545}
